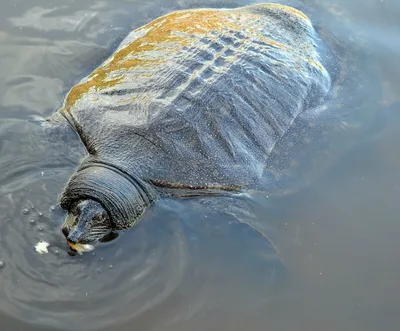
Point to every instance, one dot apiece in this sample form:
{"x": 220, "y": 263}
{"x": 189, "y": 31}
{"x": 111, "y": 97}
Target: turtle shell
{"x": 195, "y": 99}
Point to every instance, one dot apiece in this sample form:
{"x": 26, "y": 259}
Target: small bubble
{"x": 32, "y": 207}
{"x": 40, "y": 228}
{"x": 1, "y": 264}
{"x": 32, "y": 221}
{"x": 40, "y": 214}
{"x": 110, "y": 266}
{"x": 53, "y": 208}
{"x": 25, "y": 211}
{"x": 57, "y": 252}
{"x": 101, "y": 259}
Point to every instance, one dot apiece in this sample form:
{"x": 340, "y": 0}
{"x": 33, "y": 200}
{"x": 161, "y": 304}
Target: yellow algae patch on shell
{"x": 167, "y": 34}
{"x": 82, "y": 88}
{"x": 150, "y": 48}
{"x": 316, "y": 64}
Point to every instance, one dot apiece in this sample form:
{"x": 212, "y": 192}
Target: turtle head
{"x": 101, "y": 200}
{"x": 86, "y": 222}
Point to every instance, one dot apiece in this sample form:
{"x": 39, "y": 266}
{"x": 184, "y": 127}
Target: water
{"x": 186, "y": 265}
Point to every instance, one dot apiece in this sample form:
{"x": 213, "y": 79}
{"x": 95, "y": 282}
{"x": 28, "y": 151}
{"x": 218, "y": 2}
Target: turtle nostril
{"x": 65, "y": 232}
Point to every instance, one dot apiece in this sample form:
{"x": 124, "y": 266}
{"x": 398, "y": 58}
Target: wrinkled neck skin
{"x": 122, "y": 193}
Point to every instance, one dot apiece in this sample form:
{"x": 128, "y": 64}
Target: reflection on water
{"x": 189, "y": 265}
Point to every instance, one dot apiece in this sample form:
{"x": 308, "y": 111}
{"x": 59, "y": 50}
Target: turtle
{"x": 189, "y": 104}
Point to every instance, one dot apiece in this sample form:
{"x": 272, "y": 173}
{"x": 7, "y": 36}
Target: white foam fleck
{"x": 41, "y": 247}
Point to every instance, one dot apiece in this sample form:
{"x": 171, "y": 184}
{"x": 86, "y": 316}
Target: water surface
{"x": 189, "y": 265}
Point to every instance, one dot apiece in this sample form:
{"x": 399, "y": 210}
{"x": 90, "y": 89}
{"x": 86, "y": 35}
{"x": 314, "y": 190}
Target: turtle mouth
{"x": 72, "y": 250}
{"x": 73, "y": 246}
{"x": 78, "y": 248}
{"x": 81, "y": 247}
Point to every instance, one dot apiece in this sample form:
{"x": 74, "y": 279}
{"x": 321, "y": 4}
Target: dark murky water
{"x": 186, "y": 267}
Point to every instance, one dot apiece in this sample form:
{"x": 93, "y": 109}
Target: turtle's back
{"x": 201, "y": 96}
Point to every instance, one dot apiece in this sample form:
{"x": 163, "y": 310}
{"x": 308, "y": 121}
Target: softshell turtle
{"x": 190, "y": 104}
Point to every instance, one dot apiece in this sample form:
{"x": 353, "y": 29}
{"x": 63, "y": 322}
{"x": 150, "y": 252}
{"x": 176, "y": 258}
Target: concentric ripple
{"x": 117, "y": 281}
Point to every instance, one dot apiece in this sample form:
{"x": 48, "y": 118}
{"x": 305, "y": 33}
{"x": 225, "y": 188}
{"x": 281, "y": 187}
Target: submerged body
{"x": 191, "y": 103}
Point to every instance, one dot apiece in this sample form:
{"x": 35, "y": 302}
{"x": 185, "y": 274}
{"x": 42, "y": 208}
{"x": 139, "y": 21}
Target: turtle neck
{"x": 124, "y": 196}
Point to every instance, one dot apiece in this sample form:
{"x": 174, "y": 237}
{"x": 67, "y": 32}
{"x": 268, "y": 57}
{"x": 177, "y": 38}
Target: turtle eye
{"x": 98, "y": 219}
{"x": 75, "y": 209}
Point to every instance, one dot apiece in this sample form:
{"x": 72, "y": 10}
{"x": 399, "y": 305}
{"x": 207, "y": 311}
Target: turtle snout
{"x": 71, "y": 236}
{"x": 74, "y": 236}
{"x": 72, "y": 241}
